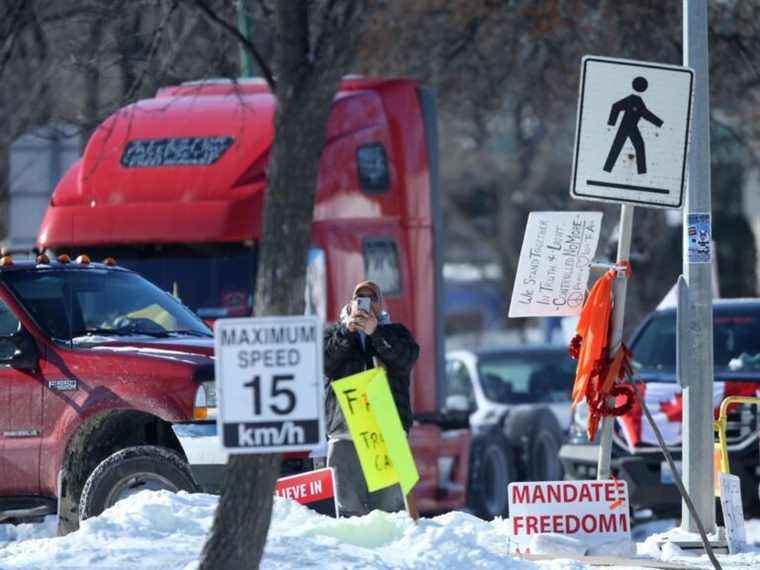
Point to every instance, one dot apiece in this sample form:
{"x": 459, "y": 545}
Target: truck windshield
{"x": 215, "y": 281}
{"x": 736, "y": 343}
{"x": 521, "y": 378}
{"x": 77, "y": 304}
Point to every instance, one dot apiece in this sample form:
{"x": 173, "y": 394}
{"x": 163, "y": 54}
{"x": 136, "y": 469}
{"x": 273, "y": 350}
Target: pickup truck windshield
{"x": 516, "y": 378}
{"x": 736, "y": 343}
{"x": 214, "y": 280}
{"x": 77, "y": 304}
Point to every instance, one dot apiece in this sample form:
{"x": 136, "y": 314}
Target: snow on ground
{"x": 157, "y": 529}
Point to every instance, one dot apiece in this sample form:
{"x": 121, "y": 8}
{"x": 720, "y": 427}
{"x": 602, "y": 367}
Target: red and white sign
{"x": 592, "y": 511}
{"x": 314, "y": 489}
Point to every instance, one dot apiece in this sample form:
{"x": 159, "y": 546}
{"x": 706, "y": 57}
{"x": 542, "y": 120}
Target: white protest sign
{"x": 595, "y": 512}
{"x": 555, "y": 258}
{"x": 733, "y": 513}
{"x": 269, "y": 383}
{"x": 632, "y": 132}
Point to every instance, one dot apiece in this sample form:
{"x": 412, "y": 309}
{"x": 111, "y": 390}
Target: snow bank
{"x": 656, "y": 544}
{"x": 148, "y": 530}
{"x": 157, "y": 529}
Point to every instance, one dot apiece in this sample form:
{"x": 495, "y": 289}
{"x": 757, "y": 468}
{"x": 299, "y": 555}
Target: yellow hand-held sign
{"x": 384, "y": 409}
{"x": 376, "y": 429}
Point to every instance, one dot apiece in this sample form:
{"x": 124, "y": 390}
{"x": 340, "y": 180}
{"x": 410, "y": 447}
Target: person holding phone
{"x": 365, "y": 338}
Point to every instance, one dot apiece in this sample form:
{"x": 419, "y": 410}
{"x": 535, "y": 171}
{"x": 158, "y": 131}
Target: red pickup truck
{"x": 96, "y": 367}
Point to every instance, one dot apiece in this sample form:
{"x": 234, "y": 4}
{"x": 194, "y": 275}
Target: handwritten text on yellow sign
{"x": 376, "y": 429}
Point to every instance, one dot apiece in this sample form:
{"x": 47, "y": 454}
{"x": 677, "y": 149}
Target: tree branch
{"x": 214, "y": 18}
{"x": 157, "y": 36}
{"x": 340, "y": 19}
{"x": 13, "y": 24}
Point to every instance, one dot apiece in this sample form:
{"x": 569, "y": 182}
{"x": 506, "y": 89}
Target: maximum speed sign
{"x": 269, "y": 383}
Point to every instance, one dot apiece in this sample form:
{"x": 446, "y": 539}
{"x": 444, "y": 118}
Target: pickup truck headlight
{"x": 579, "y": 424}
{"x": 204, "y": 407}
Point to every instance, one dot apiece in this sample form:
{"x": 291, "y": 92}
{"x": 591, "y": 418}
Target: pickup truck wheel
{"x": 543, "y": 450}
{"x": 537, "y": 432}
{"x": 131, "y": 470}
{"x": 490, "y": 473}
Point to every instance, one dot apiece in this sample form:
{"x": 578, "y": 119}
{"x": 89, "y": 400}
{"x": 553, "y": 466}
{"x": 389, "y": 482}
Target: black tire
{"x": 491, "y": 471}
{"x": 543, "y": 445}
{"x": 130, "y": 470}
{"x": 536, "y": 432}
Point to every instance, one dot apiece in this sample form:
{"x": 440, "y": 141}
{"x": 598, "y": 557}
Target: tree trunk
{"x": 241, "y": 521}
{"x": 307, "y": 79}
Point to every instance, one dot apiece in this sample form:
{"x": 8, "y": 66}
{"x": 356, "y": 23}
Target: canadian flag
{"x": 665, "y": 403}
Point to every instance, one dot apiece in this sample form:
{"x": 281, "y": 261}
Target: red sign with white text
{"x": 593, "y": 511}
{"x": 314, "y": 489}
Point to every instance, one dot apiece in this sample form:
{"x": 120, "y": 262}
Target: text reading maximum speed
{"x": 268, "y": 358}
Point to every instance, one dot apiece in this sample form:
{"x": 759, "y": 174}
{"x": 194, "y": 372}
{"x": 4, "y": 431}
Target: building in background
{"x": 38, "y": 159}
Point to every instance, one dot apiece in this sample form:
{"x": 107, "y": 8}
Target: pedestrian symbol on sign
{"x": 633, "y": 109}
{"x": 632, "y": 132}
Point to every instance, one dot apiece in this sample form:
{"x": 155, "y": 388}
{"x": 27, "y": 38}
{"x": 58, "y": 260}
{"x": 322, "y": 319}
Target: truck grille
{"x": 741, "y": 427}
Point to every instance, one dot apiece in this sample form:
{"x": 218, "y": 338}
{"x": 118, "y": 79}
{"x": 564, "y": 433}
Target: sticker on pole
{"x": 594, "y": 512}
{"x": 555, "y": 260}
{"x": 269, "y": 383}
{"x": 699, "y": 235}
{"x": 632, "y": 132}
{"x": 313, "y": 489}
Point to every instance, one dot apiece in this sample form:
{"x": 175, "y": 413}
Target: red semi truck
{"x": 173, "y": 187}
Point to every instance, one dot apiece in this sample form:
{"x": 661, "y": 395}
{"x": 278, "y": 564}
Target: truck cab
{"x": 96, "y": 367}
{"x": 173, "y": 187}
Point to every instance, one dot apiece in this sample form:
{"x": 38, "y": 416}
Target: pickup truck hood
{"x": 191, "y": 350}
{"x": 664, "y": 399}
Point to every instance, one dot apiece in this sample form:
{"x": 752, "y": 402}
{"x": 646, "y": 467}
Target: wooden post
{"x": 411, "y": 506}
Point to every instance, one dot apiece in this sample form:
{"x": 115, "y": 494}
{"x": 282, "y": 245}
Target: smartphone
{"x": 363, "y": 303}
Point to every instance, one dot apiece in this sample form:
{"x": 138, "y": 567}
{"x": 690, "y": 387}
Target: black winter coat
{"x": 392, "y": 344}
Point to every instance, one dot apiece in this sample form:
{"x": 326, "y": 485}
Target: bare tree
{"x": 314, "y": 44}
{"x": 507, "y": 75}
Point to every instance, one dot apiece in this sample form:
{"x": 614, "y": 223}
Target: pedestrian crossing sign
{"x": 632, "y": 132}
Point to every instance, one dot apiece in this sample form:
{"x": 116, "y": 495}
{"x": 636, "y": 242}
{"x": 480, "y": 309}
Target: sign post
{"x": 619, "y": 289}
{"x": 695, "y": 346}
{"x": 631, "y": 140}
{"x": 269, "y": 384}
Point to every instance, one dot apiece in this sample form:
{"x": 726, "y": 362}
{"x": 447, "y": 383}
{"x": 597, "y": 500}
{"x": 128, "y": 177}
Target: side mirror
{"x": 457, "y": 403}
{"x": 19, "y": 351}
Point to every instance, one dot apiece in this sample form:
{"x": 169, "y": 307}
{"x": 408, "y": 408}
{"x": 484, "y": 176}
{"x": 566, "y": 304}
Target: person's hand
{"x": 357, "y": 321}
{"x": 370, "y": 322}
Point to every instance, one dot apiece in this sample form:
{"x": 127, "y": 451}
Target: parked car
{"x": 636, "y": 457}
{"x": 517, "y": 401}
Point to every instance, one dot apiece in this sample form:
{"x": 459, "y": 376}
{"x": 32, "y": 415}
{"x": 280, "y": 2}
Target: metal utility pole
{"x": 245, "y": 25}
{"x": 695, "y": 345}
{"x": 616, "y": 332}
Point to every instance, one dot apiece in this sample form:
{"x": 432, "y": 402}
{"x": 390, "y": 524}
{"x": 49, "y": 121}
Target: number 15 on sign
{"x": 269, "y": 384}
